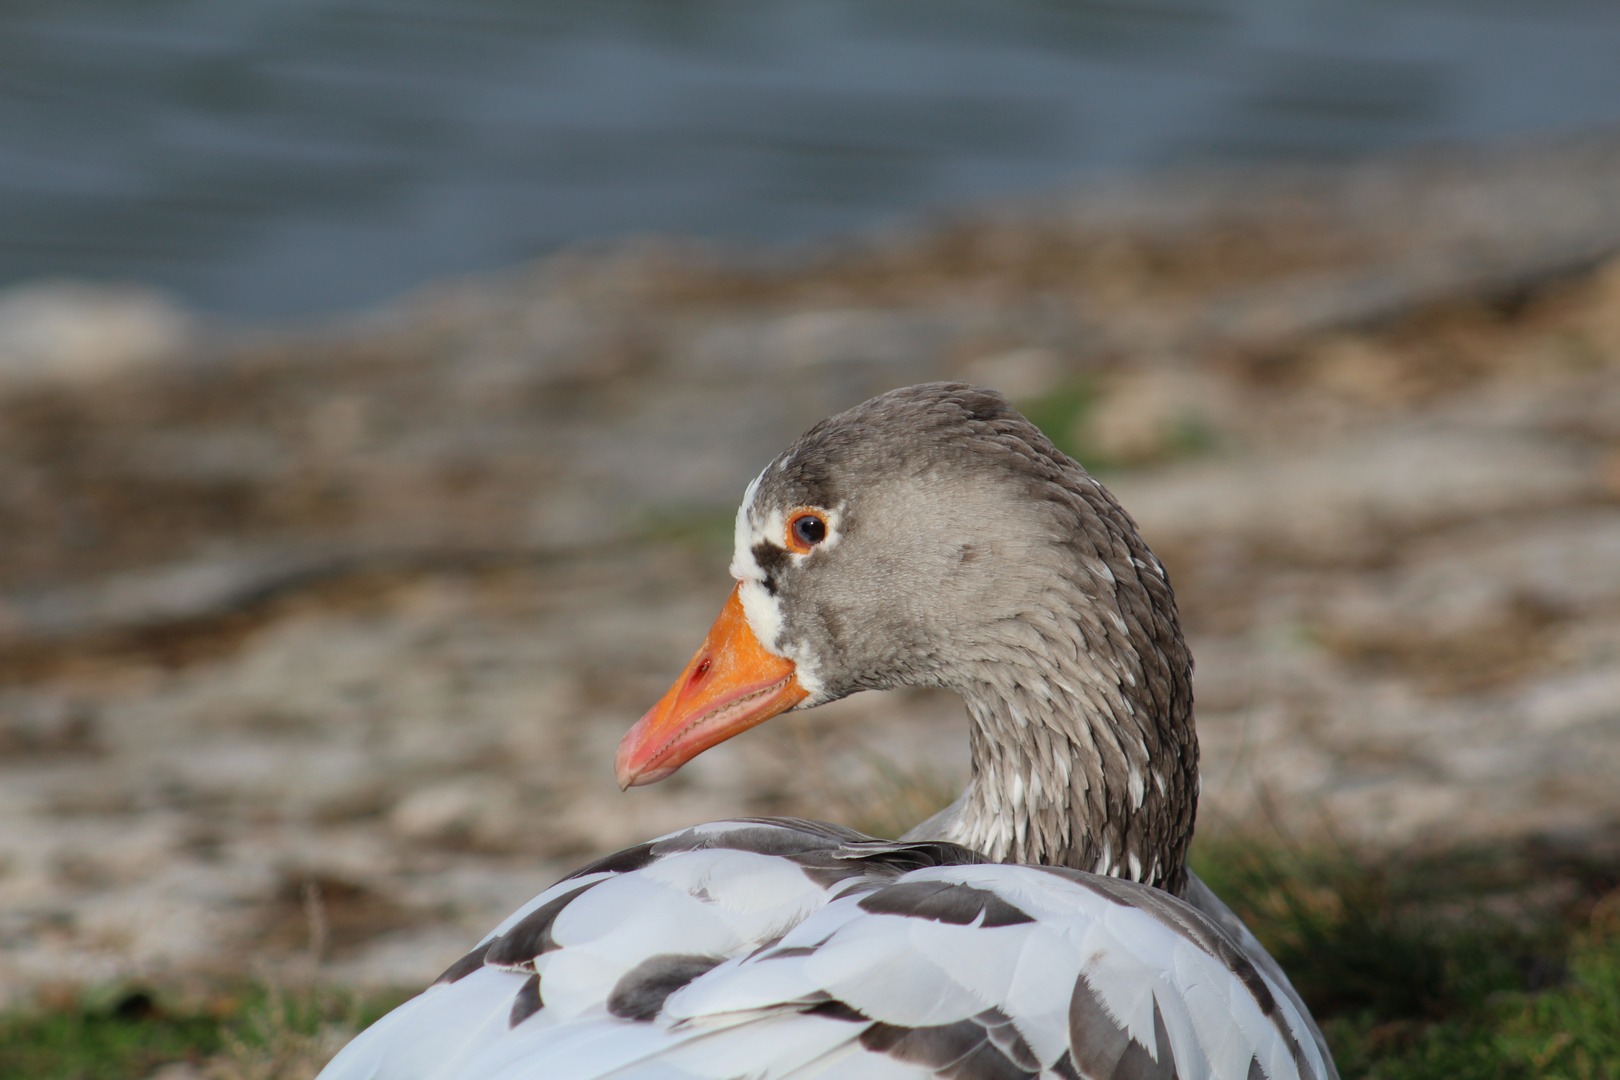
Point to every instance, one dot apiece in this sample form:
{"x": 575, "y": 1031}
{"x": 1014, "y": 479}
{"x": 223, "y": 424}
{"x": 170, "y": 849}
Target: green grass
{"x": 1495, "y": 965}
{"x": 254, "y": 1033}
{"x": 1462, "y": 965}
{"x": 102, "y": 1043}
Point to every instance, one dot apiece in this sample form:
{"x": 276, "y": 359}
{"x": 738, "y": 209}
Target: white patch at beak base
{"x": 762, "y": 610}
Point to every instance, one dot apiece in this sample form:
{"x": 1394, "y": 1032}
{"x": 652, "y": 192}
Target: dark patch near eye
{"x": 816, "y": 489}
{"x": 801, "y": 475}
{"x": 531, "y": 937}
{"x": 770, "y": 558}
{"x": 986, "y": 1047}
{"x": 944, "y": 901}
{"x": 641, "y": 991}
{"x": 1100, "y": 1046}
{"x": 620, "y": 862}
{"x": 527, "y": 1002}
{"x": 466, "y": 965}
{"x": 836, "y": 1010}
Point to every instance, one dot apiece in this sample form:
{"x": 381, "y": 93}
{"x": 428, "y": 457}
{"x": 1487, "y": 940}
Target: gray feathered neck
{"x": 969, "y": 553}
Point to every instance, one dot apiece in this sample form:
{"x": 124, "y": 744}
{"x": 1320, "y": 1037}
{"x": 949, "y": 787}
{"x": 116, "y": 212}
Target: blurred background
{"x": 274, "y": 159}
{"x": 378, "y": 380}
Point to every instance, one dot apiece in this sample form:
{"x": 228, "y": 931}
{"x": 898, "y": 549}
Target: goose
{"x": 1044, "y": 925}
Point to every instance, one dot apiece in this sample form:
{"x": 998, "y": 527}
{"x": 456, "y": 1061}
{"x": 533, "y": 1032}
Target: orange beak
{"x": 730, "y": 685}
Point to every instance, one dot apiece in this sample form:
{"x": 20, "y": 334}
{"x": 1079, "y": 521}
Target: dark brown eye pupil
{"x": 810, "y": 530}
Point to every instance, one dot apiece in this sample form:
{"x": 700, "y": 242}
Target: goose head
{"x": 933, "y": 537}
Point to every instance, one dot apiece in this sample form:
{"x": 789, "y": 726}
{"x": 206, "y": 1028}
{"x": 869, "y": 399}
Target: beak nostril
{"x": 702, "y": 670}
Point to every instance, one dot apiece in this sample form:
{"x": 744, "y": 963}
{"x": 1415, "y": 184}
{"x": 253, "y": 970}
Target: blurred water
{"x": 275, "y": 157}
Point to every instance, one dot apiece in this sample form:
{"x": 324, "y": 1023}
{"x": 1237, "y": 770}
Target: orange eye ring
{"x": 805, "y": 529}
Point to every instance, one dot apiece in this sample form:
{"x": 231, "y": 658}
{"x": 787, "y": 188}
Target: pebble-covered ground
{"x": 315, "y": 643}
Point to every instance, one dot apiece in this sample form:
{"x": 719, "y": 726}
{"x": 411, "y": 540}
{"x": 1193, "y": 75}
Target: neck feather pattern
{"x": 1084, "y": 752}
{"x": 1060, "y": 778}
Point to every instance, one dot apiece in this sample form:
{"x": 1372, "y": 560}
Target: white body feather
{"x": 840, "y": 957}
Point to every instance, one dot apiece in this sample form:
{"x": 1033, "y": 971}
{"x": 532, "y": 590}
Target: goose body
{"x": 1043, "y": 926}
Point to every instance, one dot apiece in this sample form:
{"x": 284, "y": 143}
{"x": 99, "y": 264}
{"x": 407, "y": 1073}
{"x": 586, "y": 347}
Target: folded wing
{"x": 779, "y": 949}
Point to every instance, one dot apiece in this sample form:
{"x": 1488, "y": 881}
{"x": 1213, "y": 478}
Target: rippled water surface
{"x": 276, "y": 157}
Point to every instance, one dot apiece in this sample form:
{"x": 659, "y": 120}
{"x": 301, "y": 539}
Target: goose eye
{"x": 806, "y": 531}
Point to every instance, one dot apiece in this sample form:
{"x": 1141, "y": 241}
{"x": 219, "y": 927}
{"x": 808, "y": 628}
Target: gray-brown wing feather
{"x": 796, "y": 950}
